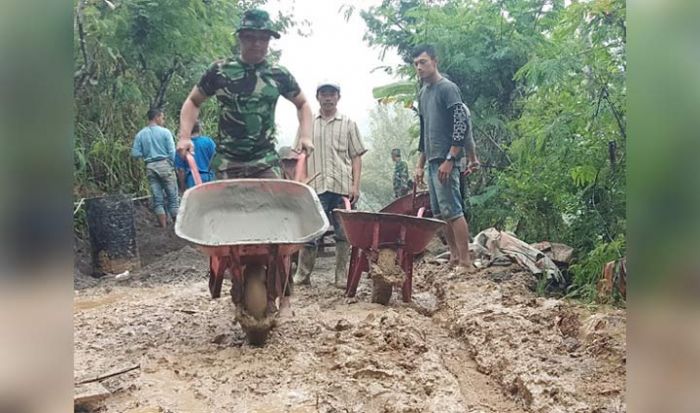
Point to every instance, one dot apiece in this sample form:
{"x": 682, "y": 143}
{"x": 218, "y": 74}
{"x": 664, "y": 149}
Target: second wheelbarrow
{"x": 384, "y": 245}
{"x": 411, "y": 204}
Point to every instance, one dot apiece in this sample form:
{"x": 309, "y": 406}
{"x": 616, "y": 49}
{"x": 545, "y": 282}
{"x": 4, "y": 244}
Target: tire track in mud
{"x": 333, "y": 355}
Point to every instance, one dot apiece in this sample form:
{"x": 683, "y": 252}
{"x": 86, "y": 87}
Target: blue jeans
{"x": 161, "y": 177}
{"x": 445, "y": 199}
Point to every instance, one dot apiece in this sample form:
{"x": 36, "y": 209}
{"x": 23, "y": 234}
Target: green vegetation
{"x": 545, "y": 83}
{"x": 546, "y": 86}
{"x": 391, "y": 126}
{"x": 134, "y": 54}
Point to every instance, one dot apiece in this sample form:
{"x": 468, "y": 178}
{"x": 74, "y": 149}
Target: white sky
{"x": 334, "y": 50}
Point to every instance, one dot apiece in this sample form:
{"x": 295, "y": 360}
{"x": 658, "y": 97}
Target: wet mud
{"x": 480, "y": 344}
{"x": 551, "y": 355}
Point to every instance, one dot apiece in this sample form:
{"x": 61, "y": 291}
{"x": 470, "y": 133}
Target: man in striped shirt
{"x": 338, "y": 149}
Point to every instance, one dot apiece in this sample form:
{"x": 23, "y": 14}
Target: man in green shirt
{"x": 402, "y": 184}
{"x": 247, "y": 88}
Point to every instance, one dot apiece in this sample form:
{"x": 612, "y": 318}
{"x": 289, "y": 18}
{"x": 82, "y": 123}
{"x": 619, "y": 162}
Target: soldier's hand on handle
{"x": 184, "y": 146}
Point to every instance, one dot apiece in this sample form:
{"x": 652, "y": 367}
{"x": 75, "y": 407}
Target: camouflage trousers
{"x": 162, "y": 180}
{"x": 267, "y": 166}
{"x": 273, "y": 172}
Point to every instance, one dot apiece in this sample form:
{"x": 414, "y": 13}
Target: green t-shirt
{"x": 248, "y": 96}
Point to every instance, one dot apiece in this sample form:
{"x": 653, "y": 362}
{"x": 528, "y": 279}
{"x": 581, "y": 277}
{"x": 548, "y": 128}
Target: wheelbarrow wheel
{"x": 381, "y": 291}
{"x": 384, "y": 274}
{"x": 257, "y": 337}
{"x": 255, "y": 291}
{"x": 253, "y": 317}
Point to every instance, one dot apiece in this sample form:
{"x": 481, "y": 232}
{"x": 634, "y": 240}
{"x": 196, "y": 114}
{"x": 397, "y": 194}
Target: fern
{"x": 587, "y": 273}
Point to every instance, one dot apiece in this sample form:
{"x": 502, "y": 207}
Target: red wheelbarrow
{"x": 384, "y": 245}
{"x": 411, "y": 204}
{"x": 250, "y": 228}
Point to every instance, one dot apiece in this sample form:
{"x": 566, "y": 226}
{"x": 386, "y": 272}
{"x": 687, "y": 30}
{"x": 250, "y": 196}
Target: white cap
{"x": 328, "y": 83}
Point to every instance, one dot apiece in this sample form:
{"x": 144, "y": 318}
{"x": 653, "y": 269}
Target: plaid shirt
{"x": 336, "y": 141}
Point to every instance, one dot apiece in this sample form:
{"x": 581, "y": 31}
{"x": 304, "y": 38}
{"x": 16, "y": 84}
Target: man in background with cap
{"x": 402, "y": 183}
{"x": 338, "y": 163}
{"x": 247, "y": 88}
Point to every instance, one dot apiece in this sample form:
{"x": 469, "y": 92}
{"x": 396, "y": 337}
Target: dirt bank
{"x": 551, "y": 355}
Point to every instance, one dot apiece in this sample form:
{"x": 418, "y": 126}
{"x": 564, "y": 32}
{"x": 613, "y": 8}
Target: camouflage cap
{"x": 256, "y": 19}
{"x": 396, "y": 152}
{"x": 287, "y": 153}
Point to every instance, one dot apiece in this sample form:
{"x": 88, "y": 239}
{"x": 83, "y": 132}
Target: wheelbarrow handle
{"x": 193, "y": 168}
{"x": 301, "y": 172}
{"x": 413, "y": 197}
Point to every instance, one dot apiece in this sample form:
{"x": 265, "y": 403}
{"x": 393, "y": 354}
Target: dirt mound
{"x": 176, "y": 267}
{"x": 552, "y": 355}
{"x": 153, "y": 241}
{"x": 480, "y": 343}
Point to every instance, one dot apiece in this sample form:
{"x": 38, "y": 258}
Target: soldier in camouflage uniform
{"x": 247, "y": 88}
{"x": 402, "y": 183}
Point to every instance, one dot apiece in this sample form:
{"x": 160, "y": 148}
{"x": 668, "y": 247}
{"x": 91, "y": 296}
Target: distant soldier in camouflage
{"x": 247, "y": 88}
{"x": 402, "y": 184}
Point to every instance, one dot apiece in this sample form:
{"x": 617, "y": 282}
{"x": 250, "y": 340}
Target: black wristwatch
{"x": 449, "y": 157}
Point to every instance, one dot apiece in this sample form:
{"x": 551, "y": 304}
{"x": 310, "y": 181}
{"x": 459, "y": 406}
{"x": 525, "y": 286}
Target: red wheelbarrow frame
{"x": 411, "y": 204}
{"x": 275, "y": 256}
{"x": 368, "y": 232}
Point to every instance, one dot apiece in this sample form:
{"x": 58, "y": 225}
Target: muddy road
{"x": 484, "y": 343}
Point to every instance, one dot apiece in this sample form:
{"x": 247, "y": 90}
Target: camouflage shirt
{"x": 248, "y": 95}
{"x": 400, "y": 178}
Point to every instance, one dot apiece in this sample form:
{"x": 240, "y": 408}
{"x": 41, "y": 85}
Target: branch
{"x": 399, "y": 25}
{"x": 165, "y": 79}
{"x": 81, "y": 31}
{"x": 106, "y": 376}
{"x": 618, "y": 116}
{"x": 538, "y": 14}
{"x": 142, "y": 60}
{"x": 481, "y": 131}
{"x": 81, "y": 75}
{"x": 600, "y": 99}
